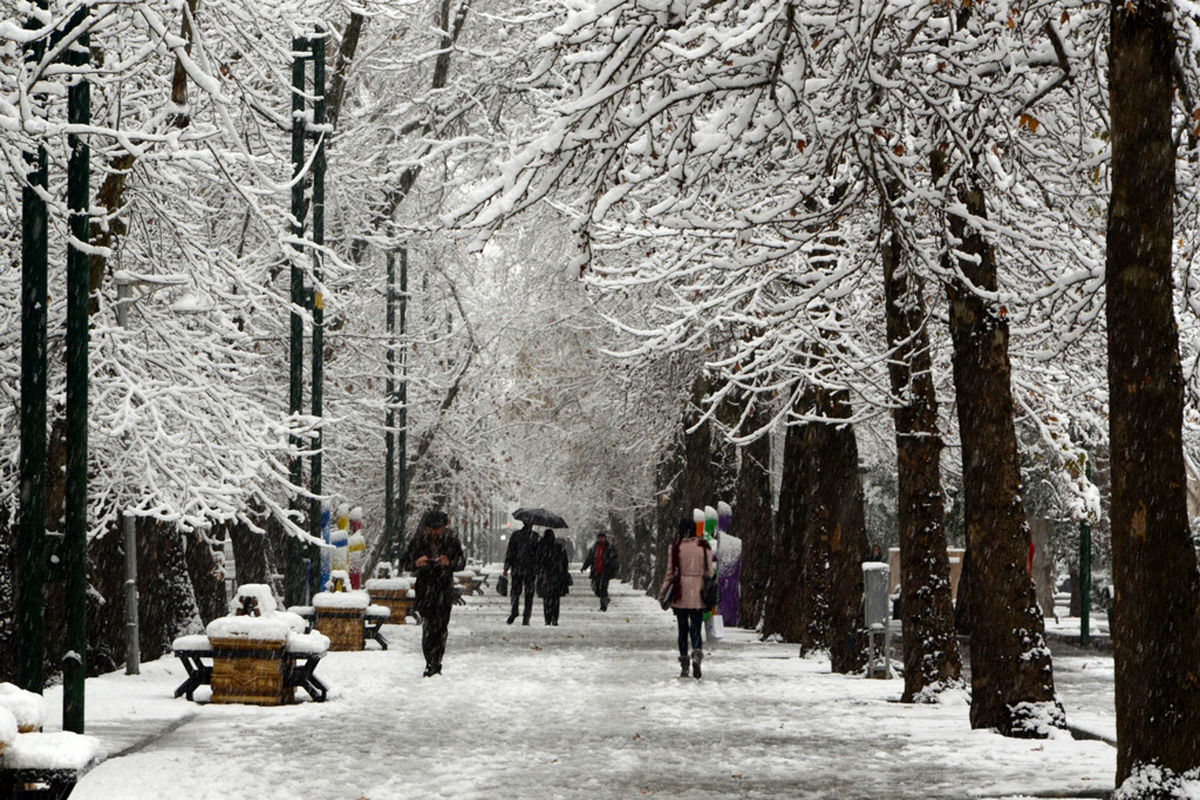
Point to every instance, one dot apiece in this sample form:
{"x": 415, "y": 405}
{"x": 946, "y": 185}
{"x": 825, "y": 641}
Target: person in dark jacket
{"x": 601, "y": 560}
{"x": 434, "y": 553}
{"x": 520, "y": 559}
{"x": 553, "y": 574}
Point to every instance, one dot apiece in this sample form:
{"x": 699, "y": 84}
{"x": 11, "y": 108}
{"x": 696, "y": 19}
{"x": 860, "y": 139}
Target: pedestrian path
{"x": 590, "y": 709}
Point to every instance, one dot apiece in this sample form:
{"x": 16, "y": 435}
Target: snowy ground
{"x": 591, "y": 709}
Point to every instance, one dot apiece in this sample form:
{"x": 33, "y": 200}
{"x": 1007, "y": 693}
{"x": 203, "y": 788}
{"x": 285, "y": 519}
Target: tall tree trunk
{"x": 643, "y": 534}
{"x": 1156, "y": 641}
{"x": 668, "y": 479}
{"x": 931, "y": 657}
{"x": 783, "y": 607}
{"x": 699, "y": 476}
{"x": 835, "y": 538}
{"x": 1012, "y": 680}
{"x": 752, "y": 522}
{"x": 618, "y": 528}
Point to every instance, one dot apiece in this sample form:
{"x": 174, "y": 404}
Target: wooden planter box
{"x": 343, "y": 626}
{"x": 397, "y": 600}
{"x": 249, "y": 671}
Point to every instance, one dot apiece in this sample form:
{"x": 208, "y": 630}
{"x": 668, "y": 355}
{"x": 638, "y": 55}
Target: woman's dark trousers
{"x": 689, "y": 620}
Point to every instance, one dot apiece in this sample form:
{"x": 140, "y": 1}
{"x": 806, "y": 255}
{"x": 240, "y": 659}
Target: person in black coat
{"x": 434, "y": 553}
{"x": 553, "y": 574}
{"x": 601, "y": 560}
{"x": 520, "y": 559}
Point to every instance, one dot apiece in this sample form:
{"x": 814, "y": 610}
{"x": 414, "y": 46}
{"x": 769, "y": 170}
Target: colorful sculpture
{"x": 729, "y": 568}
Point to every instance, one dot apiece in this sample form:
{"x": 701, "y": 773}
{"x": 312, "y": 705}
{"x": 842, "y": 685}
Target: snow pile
{"x": 875, "y": 566}
{"x": 465, "y": 574}
{"x": 271, "y": 624}
{"x": 389, "y": 584}
{"x": 260, "y": 592}
{"x": 267, "y": 628}
{"x": 1039, "y": 720}
{"x": 378, "y": 611}
{"x": 1154, "y": 780}
{"x": 315, "y": 643}
{"x": 60, "y": 750}
{"x": 341, "y": 599}
{"x": 8, "y": 728}
{"x": 28, "y": 708}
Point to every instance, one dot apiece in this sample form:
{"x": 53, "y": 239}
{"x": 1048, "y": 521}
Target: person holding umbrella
{"x": 435, "y": 554}
{"x": 601, "y": 560}
{"x": 520, "y": 559}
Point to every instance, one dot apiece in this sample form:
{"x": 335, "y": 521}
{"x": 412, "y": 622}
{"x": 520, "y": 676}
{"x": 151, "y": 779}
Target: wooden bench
{"x": 372, "y": 622}
{"x": 297, "y": 671}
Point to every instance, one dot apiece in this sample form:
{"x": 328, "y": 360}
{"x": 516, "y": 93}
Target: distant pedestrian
{"x": 689, "y": 559}
{"x": 519, "y": 558}
{"x": 601, "y": 560}
{"x": 876, "y": 554}
{"x": 553, "y": 574}
{"x": 434, "y": 553}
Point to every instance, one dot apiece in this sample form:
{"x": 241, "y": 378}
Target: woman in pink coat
{"x": 689, "y": 559}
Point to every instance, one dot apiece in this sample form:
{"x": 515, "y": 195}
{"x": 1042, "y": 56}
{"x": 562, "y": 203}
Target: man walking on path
{"x": 601, "y": 559}
{"x": 521, "y": 559}
{"x": 434, "y": 554}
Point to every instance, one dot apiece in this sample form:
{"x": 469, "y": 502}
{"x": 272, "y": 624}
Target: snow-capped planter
{"x": 249, "y": 646}
{"x": 269, "y": 629}
{"x": 27, "y": 708}
{"x": 395, "y": 593}
{"x": 390, "y": 584}
{"x": 340, "y": 617}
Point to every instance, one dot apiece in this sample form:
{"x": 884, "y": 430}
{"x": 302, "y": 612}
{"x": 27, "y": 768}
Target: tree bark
{"x": 699, "y": 478}
{"x": 1012, "y": 680}
{"x": 752, "y": 522}
{"x": 835, "y": 538}
{"x": 668, "y": 477}
{"x": 1156, "y": 639}
{"x": 783, "y": 606}
{"x": 931, "y": 657}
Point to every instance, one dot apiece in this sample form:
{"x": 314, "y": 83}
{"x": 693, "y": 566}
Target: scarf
{"x": 598, "y": 563}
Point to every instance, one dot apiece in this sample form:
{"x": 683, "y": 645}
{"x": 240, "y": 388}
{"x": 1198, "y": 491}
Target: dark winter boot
{"x": 685, "y": 667}
{"x": 697, "y": 657}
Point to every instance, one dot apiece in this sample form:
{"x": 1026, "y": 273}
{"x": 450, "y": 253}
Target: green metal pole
{"x": 318, "y": 307}
{"x": 1085, "y": 576}
{"x": 31, "y": 534}
{"x": 402, "y": 476}
{"x": 389, "y": 435}
{"x": 295, "y": 587}
{"x": 75, "y": 542}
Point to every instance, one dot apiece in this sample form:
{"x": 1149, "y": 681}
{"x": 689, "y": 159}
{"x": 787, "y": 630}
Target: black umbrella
{"x": 540, "y": 516}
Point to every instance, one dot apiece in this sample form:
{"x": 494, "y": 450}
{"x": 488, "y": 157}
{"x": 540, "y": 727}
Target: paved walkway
{"x": 590, "y": 709}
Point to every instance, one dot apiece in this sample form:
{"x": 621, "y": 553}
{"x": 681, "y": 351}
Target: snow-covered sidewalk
{"x": 590, "y": 709}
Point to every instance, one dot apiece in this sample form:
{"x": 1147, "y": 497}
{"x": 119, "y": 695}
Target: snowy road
{"x": 591, "y": 709}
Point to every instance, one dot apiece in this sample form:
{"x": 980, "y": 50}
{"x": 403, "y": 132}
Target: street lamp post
{"x": 125, "y": 282}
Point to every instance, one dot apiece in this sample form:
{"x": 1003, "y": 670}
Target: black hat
{"x": 435, "y": 519}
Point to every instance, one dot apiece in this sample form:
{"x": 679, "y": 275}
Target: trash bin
{"x": 877, "y": 613}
